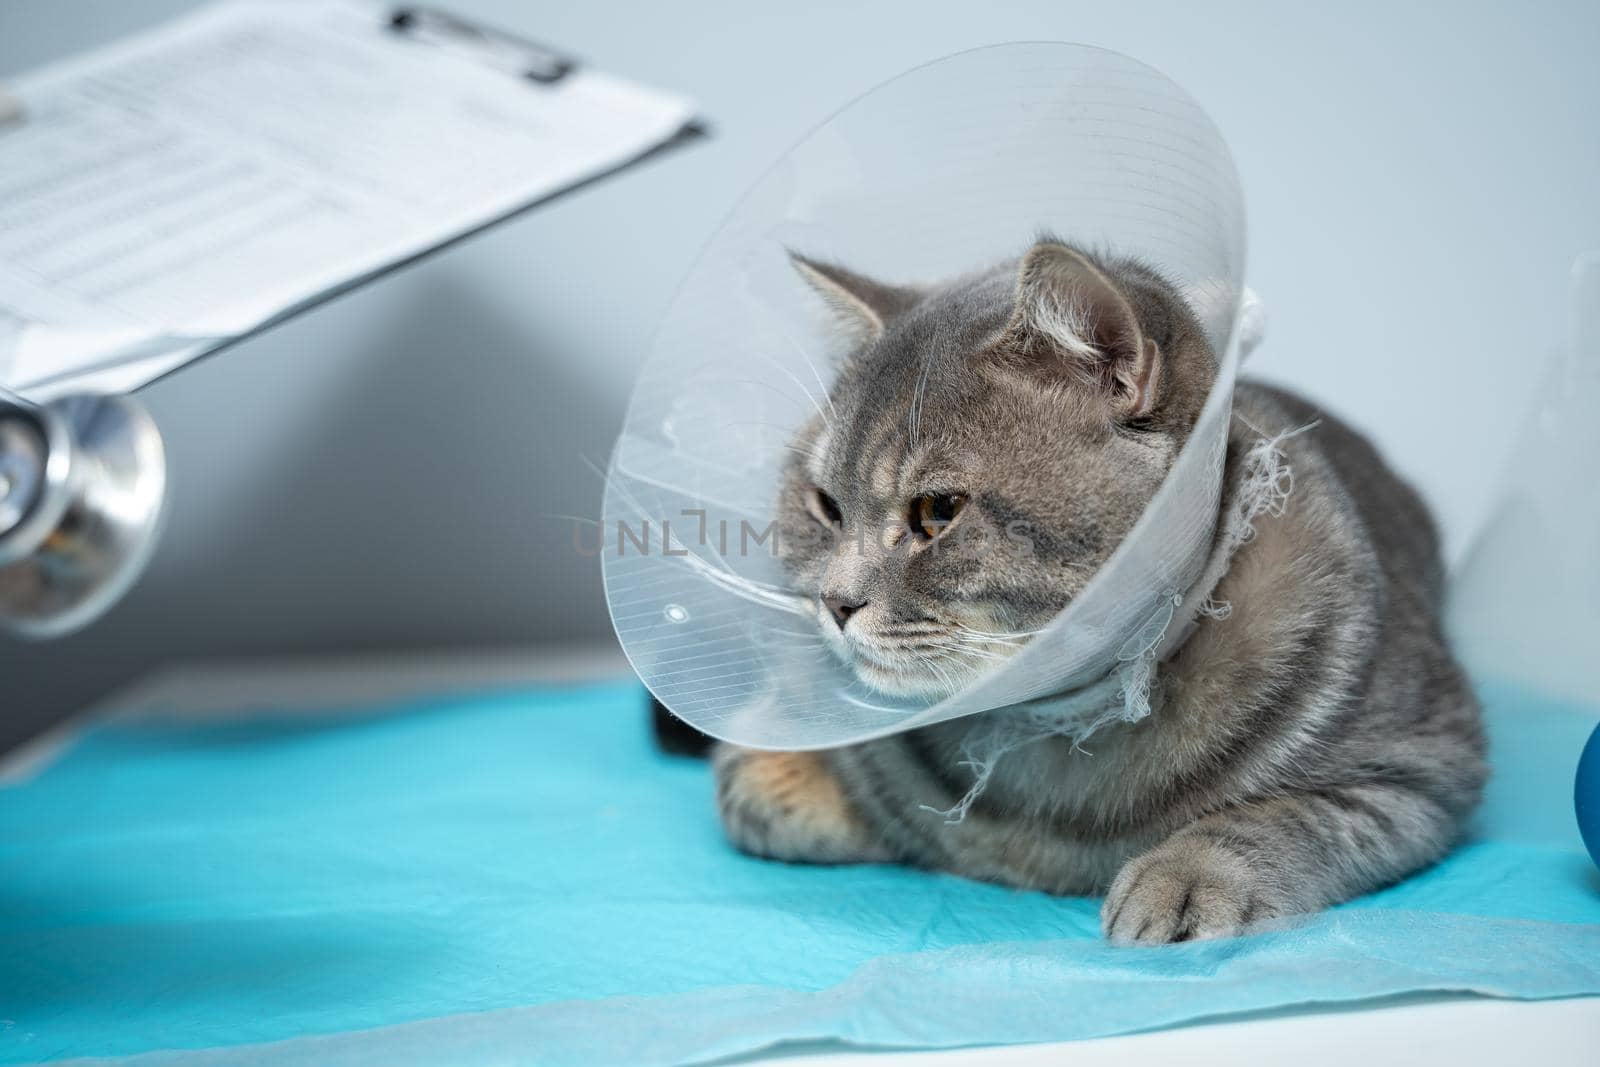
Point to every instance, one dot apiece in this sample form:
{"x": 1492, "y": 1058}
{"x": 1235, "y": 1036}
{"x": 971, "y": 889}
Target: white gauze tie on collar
{"x": 949, "y": 167}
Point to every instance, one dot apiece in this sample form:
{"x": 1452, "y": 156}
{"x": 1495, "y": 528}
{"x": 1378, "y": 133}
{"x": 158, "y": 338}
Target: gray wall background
{"x": 387, "y": 472}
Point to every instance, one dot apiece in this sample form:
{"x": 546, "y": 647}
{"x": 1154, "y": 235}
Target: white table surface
{"x": 1416, "y": 1030}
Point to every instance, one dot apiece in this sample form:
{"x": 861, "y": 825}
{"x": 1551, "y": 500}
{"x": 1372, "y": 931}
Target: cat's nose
{"x": 841, "y": 608}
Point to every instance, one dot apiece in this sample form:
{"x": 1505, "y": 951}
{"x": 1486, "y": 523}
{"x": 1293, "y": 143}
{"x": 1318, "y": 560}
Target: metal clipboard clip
{"x": 491, "y": 47}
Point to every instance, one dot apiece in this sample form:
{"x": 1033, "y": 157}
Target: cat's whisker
{"x": 999, "y": 633}
{"x": 594, "y": 467}
{"x": 981, "y": 644}
{"x": 815, "y": 374}
{"x": 807, "y": 453}
{"x": 573, "y": 518}
{"x": 1015, "y": 635}
{"x": 970, "y": 670}
{"x": 801, "y": 450}
{"x": 776, "y": 631}
{"x": 717, "y": 570}
{"x": 980, "y": 641}
{"x": 937, "y": 668}
{"x": 978, "y": 653}
{"x": 768, "y": 385}
{"x": 745, "y": 588}
{"x": 914, "y": 429}
{"x": 761, "y": 423}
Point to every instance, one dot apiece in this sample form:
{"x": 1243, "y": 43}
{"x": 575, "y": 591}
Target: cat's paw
{"x": 1185, "y": 890}
{"x": 788, "y": 806}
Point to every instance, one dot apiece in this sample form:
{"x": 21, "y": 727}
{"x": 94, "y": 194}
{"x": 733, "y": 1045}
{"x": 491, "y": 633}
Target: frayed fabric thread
{"x": 1126, "y": 694}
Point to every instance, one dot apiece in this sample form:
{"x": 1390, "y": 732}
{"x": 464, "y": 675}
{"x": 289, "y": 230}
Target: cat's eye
{"x": 932, "y": 514}
{"x": 823, "y": 508}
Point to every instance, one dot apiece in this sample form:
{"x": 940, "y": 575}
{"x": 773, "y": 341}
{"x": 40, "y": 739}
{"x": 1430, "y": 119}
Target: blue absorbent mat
{"x": 519, "y": 878}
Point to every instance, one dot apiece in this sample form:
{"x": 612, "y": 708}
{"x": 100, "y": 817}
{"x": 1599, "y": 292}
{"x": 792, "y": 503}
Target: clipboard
{"x": 475, "y": 88}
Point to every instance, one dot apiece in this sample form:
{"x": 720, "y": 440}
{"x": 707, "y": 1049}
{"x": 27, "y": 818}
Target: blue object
{"x": 520, "y": 877}
{"x": 1586, "y": 795}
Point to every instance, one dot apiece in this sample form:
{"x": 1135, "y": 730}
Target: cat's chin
{"x": 889, "y": 672}
{"x": 898, "y": 682}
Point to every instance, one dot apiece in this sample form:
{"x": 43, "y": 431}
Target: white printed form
{"x": 184, "y": 187}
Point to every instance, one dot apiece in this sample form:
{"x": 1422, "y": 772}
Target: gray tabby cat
{"x": 1316, "y": 744}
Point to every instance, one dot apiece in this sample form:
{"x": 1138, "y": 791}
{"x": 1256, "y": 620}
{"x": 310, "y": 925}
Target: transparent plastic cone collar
{"x": 953, "y": 166}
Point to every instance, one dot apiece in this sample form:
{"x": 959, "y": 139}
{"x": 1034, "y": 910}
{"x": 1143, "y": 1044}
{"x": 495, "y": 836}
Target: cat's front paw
{"x": 788, "y": 806}
{"x": 1186, "y": 890}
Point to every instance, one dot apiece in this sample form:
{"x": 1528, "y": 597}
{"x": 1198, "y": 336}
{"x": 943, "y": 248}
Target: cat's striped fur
{"x": 1318, "y": 742}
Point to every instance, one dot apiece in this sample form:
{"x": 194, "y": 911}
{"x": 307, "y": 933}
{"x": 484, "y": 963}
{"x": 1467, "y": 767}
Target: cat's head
{"x": 987, "y": 444}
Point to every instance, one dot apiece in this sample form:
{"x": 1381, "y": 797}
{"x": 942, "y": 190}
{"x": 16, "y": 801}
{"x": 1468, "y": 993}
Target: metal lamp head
{"x": 82, "y": 483}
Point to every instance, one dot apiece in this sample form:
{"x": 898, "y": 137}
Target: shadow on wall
{"x": 426, "y": 507}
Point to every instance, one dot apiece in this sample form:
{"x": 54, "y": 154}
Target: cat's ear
{"x": 1070, "y": 317}
{"x": 861, "y": 305}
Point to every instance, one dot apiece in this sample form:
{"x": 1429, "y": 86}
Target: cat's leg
{"x": 789, "y": 806}
{"x": 1279, "y": 856}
